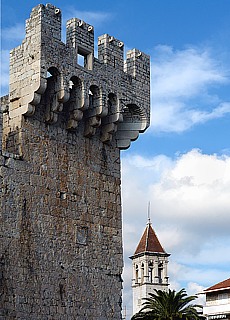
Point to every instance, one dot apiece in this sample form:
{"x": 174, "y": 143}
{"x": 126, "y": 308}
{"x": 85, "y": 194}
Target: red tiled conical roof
{"x": 149, "y": 242}
{"x": 221, "y": 285}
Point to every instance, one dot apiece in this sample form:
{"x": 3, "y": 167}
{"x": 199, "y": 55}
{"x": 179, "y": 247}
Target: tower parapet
{"x": 94, "y": 81}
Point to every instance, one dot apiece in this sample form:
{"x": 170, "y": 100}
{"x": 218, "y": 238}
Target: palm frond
{"x": 169, "y": 305}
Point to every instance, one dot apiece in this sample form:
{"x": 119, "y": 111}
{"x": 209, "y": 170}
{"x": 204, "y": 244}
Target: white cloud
{"x": 91, "y": 17}
{"x": 175, "y": 116}
{"x": 190, "y": 206}
{"x": 184, "y": 73}
{"x": 198, "y": 188}
{"x": 191, "y": 195}
{"x": 181, "y": 89}
{"x": 14, "y": 33}
{"x": 182, "y": 275}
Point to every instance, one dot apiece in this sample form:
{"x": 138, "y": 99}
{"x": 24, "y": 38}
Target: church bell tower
{"x": 149, "y": 267}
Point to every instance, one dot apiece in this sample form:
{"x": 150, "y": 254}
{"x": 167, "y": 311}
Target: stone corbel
{"x": 57, "y": 97}
{"x": 102, "y": 109}
{"x": 91, "y": 125}
{"x": 94, "y": 116}
{"x": 129, "y": 129}
{"x": 76, "y": 106}
{"x": 30, "y": 97}
{"x": 109, "y": 123}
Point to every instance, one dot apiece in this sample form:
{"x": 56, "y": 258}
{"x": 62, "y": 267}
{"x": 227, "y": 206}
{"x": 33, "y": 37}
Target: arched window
{"x": 136, "y": 273}
{"x": 150, "y": 271}
{"x": 142, "y": 272}
{"x": 160, "y": 271}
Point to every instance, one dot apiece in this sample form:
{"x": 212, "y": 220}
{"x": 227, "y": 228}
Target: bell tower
{"x": 149, "y": 267}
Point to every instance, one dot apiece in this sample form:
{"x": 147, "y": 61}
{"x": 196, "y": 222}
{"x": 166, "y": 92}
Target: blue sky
{"x": 182, "y": 162}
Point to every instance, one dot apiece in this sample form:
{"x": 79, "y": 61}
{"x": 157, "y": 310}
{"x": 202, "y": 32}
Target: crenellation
{"x": 44, "y": 18}
{"x": 111, "y": 51}
{"x": 80, "y": 35}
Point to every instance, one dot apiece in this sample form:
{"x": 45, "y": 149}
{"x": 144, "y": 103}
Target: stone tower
{"x": 149, "y": 267}
{"x": 64, "y": 124}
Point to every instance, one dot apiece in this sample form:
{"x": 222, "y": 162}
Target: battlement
{"x": 45, "y": 20}
{"x": 111, "y": 51}
{"x": 80, "y": 36}
{"x": 109, "y": 93}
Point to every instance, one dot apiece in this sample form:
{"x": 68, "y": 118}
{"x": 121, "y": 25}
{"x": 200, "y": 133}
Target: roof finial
{"x": 149, "y": 220}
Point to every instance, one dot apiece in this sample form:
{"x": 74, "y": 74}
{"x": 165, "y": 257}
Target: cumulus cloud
{"x": 198, "y": 188}
{"x": 181, "y": 88}
{"x": 190, "y": 205}
{"x": 188, "y": 194}
{"x": 183, "y": 73}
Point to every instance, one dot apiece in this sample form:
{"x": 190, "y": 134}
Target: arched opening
{"x": 94, "y": 97}
{"x": 160, "y": 272}
{"x": 53, "y": 105}
{"x": 109, "y": 121}
{"x": 142, "y": 272}
{"x": 52, "y": 72}
{"x": 136, "y": 273}
{"x": 76, "y": 87}
{"x": 93, "y": 114}
{"x": 112, "y": 103}
{"x": 150, "y": 270}
{"x": 75, "y": 103}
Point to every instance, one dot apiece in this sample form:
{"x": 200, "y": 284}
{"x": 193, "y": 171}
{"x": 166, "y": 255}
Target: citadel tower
{"x": 63, "y": 127}
{"x": 149, "y": 267}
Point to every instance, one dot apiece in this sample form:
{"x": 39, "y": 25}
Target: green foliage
{"x": 171, "y": 305}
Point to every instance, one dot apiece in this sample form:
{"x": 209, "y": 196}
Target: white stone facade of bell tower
{"x": 150, "y": 268}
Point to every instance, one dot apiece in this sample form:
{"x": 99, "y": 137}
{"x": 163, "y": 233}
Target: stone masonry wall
{"x": 62, "y": 248}
{"x": 63, "y": 128}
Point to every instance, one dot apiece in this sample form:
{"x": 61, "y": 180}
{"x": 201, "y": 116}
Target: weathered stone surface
{"x": 60, "y": 236}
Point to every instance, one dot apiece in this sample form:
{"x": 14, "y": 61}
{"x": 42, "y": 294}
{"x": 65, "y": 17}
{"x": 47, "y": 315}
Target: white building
{"x": 149, "y": 267}
{"x": 218, "y": 301}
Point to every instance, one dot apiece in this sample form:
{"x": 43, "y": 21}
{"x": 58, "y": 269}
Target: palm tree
{"x": 170, "y": 305}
